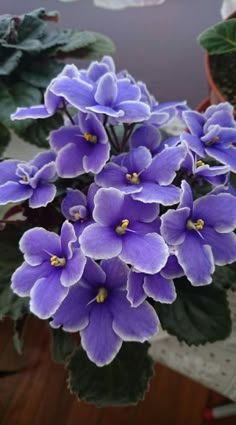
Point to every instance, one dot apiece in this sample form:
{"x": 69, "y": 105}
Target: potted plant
{"x": 123, "y": 229}
{"x": 220, "y": 43}
{"x": 32, "y": 54}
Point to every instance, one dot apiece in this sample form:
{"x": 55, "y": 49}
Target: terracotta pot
{"x": 215, "y": 96}
{"x": 203, "y": 105}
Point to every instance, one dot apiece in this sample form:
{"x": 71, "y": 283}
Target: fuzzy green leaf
{"x": 37, "y": 132}
{"x": 9, "y": 60}
{"x": 220, "y": 38}
{"x": 62, "y": 345}
{"x": 19, "y": 94}
{"x": 40, "y": 72}
{"x": 123, "y": 382}
{"x": 86, "y": 48}
{"x": 4, "y": 138}
{"x": 198, "y": 315}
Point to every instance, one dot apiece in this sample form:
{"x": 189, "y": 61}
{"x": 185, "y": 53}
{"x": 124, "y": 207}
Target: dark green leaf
{"x": 19, "y": 326}
{"x": 9, "y": 60}
{"x": 62, "y": 345}
{"x": 19, "y": 94}
{"x": 220, "y": 38}
{"x": 225, "y": 277}
{"x": 122, "y": 382}
{"x": 38, "y": 132}
{"x": 199, "y": 314}
{"x": 77, "y": 40}
{"x": 40, "y": 72}
{"x": 101, "y": 46}
{"x": 10, "y": 304}
{"x": 4, "y": 138}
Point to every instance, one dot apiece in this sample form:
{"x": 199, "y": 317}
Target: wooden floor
{"x": 38, "y": 394}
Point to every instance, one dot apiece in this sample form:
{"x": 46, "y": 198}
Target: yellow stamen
{"x": 102, "y": 295}
{"x": 25, "y": 178}
{"x": 133, "y": 178}
{"x": 77, "y": 216}
{"x": 199, "y": 225}
{"x": 215, "y": 139}
{"x": 120, "y": 230}
{"x": 56, "y": 262}
{"x": 200, "y": 163}
{"x": 90, "y": 138}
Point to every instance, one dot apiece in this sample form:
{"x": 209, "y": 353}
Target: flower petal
{"x": 69, "y": 162}
{"x": 73, "y": 313}
{"x": 100, "y": 242}
{"x": 135, "y": 292}
{"x": 47, "y": 295}
{"x": 24, "y": 278}
{"x": 73, "y": 269}
{"x": 98, "y": 339}
{"x": 42, "y": 195}
{"x": 106, "y": 90}
{"x": 39, "y": 245}
{"x": 133, "y": 324}
{"x": 116, "y": 273}
{"x": 153, "y": 192}
{"x": 147, "y": 253}
{"x": 173, "y": 225}
{"x": 14, "y": 192}
{"x": 159, "y": 288}
{"x": 196, "y": 259}
{"x": 223, "y": 245}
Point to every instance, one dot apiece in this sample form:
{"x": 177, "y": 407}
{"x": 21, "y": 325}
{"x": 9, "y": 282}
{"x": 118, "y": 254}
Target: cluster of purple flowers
{"x": 136, "y": 228}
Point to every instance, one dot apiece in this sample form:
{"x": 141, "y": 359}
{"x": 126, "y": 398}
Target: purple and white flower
{"x": 78, "y": 208}
{"x": 31, "y": 180}
{"x": 201, "y": 233}
{"x": 52, "y": 265}
{"x": 212, "y": 133}
{"x": 99, "y": 309}
{"x": 147, "y": 179}
{"x": 52, "y": 102}
{"x": 80, "y": 149}
{"x": 124, "y": 228}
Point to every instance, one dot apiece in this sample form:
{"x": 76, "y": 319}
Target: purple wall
{"x": 156, "y": 44}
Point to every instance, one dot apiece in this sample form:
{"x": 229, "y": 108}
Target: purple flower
{"x": 147, "y": 179}
{"x": 201, "y": 233}
{"x": 163, "y": 113}
{"x": 215, "y": 175}
{"x": 78, "y": 208}
{"x": 52, "y": 264}
{"x": 118, "y": 98}
{"x": 123, "y": 227}
{"x": 156, "y": 286}
{"x": 97, "y": 69}
{"x": 212, "y": 133}
{"x": 99, "y": 309}
{"x": 52, "y": 102}
{"x": 28, "y": 180}
{"x": 80, "y": 149}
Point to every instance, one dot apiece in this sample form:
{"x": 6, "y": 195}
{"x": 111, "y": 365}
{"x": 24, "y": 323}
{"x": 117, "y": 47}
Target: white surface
{"x": 18, "y": 149}
{"x": 228, "y": 7}
{"x": 213, "y": 365}
{"x": 121, "y": 4}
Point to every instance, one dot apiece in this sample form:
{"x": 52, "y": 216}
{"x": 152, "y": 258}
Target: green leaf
{"x": 28, "y": 35}
{"x": 220, "y": 38}
{"x": 19, "y": 326}
{"x": 198, "y": 315}
{"x": 19, "y": 94}
{"x": 40, "y": 72}
{"x": 62, "y": 345}
{"x": 37, "y": 133}
{"x": 77, "y": 40}
{"x": 102, "y": 45}
{"x": 5, "y": 138}
{"x": 225, "y": 277}
{"x": 10, "y": 304}
{"x": 9, "y": 60}
{"x": 123, "y": 382}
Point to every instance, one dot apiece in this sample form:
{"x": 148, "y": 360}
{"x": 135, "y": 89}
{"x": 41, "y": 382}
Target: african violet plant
{"x": 125, "y": 228}
{"x": 31, "y": 54}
